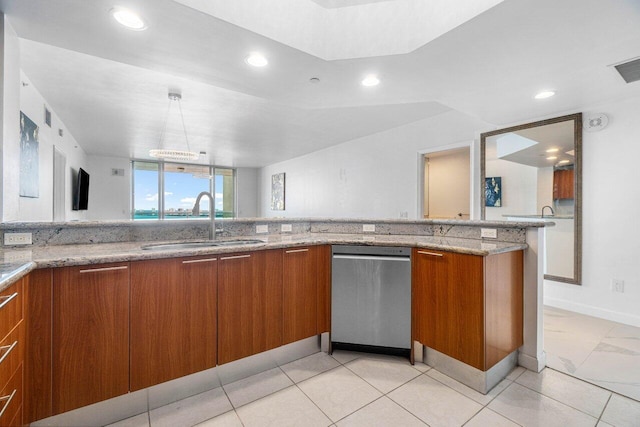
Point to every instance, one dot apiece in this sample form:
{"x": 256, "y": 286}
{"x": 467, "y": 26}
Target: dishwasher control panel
{"x": 371, "y": 250}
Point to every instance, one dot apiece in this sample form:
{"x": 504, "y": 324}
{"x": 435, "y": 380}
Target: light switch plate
{"x": 261, "y": 229}
{"x": 490, "y": 233}
{"x": 369, "y": 228}
{"x": 17, "y": 239}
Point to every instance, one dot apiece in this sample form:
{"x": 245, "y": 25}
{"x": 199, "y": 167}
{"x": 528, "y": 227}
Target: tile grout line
{"x": 604, "y": 409}
{"x": 556, "y": 400}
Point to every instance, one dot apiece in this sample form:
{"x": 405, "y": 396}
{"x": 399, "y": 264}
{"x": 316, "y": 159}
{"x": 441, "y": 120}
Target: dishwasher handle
{"x": 373, "y": 258}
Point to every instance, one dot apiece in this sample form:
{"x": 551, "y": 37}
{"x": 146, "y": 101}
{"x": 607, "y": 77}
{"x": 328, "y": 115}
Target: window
{"x": 169, "y": 190}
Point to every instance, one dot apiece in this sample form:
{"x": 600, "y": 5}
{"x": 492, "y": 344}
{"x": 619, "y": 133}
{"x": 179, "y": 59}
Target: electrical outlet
{"x": 617, "y": 285}
{"x": 17, "y": 256}
{"x": 490, "y": 233}
{"x": 368, "y": 228}
{"x": 261, "y": 229}
{"x": 17, "y": 239}
{"x": 404, "y": 214}
{"x": 285, "y": 228}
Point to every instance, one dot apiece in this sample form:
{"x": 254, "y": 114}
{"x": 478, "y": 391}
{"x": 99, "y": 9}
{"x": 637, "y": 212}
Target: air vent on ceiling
{"x": 630, "y": 71}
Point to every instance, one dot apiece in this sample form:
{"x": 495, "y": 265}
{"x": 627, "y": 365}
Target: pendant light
{"x": 168, "y": 154}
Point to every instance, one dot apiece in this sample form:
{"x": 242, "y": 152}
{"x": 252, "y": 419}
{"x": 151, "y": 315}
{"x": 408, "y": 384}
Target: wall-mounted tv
{"x": 81, "y": 191}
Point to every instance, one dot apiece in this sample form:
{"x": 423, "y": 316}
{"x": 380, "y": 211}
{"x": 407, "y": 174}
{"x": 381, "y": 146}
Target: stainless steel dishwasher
{"x": 371, "y": 299}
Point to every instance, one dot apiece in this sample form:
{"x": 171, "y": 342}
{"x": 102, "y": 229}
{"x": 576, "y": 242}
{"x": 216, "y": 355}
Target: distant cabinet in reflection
{"x": 563, "y": 184}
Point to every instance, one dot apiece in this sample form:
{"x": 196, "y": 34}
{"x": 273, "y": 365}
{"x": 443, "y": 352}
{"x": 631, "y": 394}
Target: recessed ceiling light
{"x": 553, "y": 150}
{"x": 545, "y": 94}
{"x": 257, "y": 60}
{"x": 551, "y": 158}
{"x": 128, "y": 18}
{"x": 371, "y": 80}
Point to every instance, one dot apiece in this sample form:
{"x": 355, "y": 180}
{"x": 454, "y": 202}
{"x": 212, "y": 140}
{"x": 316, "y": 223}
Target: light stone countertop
{"x": 19, "y": 262}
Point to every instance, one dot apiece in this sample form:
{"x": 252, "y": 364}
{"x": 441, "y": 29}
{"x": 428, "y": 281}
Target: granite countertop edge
{"x": 26, "y": 260}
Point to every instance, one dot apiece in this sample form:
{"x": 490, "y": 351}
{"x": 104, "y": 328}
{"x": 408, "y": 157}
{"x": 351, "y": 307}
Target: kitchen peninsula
{"x": 292, "y": 268}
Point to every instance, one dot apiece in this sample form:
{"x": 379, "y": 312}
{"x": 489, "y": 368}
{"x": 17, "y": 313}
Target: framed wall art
{"x": 277, "y": 191}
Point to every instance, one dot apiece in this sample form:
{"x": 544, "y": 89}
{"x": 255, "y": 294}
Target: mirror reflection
{"x": 532, "y": 172}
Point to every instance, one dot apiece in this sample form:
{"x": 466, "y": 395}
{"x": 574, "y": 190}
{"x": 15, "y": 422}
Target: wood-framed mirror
{"x": 534, "y": 172}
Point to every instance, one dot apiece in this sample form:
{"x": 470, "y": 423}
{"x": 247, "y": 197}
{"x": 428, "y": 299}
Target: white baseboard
{"x": 626, "y": 318}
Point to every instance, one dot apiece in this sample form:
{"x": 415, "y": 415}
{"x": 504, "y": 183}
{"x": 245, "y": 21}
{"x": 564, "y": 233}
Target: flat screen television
{"x": 81, "y": 191}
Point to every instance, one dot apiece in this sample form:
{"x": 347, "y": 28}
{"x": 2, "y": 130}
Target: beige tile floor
{"x": 356, "y": 389}
{"x": 600, "y": 351}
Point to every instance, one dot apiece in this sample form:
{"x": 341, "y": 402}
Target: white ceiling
{"x": 109, "y": 85}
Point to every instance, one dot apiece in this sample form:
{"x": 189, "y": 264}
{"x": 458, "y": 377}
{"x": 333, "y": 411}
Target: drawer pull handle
{"x": 235, "y": 257}
{"x": 7, "y": 349}
{"x": 7, "y": 298}
{"x": 193, "y": 261}
{"x": 8, "y": 399}
{"x": 293, "y": 251}
{"x": 97, "y": 270}
{"x": 430, "y": 253}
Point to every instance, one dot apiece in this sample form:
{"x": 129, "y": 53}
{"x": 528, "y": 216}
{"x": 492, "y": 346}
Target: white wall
{"x": 519, "y": 189}
{"x": 611, "y": 208}
{"x": 41, "y": 208}
{"x": 449, "y": 185}
{"x": 545, "y": 188}
{"x": 109, "y": 195}
{"x": 10, "y": 122}
{"x": 19, "y": 94}
{"x": 247, "y": 192}
{"x": 371, "y": 177}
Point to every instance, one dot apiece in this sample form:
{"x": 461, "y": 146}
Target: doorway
{"x": 447, "y": 184}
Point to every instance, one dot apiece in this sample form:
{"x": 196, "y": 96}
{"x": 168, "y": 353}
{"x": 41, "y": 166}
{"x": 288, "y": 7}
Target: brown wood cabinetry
{"x": 12, "y": 353}
{"x": 563, "y": 184}
{"x": 90, "y": 334}
{"x": 468, "y": 307}
{"x": 300, "y": 293}
{"x": 249, "y": 304}
{"x": 37, "y": 374}
{"x": 173, "y": 318}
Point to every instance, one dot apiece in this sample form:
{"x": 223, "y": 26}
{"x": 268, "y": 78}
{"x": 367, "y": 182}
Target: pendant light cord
{"x": 184, "y": 128}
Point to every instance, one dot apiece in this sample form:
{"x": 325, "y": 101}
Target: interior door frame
{"x": 474, "y": 172}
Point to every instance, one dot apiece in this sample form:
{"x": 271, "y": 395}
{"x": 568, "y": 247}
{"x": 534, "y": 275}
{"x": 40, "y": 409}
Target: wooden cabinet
{"x": 37, "y": 374}
{"x": 249, "y": 304}
{"x": 563, "y": 184}
{"x": 12, "y": 354}
{"x": 466, "y": 306}
{"x": 90, "y": 334}
{"x": 173, "y": 318}
{"x": 300, "y": 293}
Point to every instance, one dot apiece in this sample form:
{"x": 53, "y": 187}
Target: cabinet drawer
{"x": 11, "y": 400}
{"x": 10, "y": 354}
{"x": 10, "y": 308}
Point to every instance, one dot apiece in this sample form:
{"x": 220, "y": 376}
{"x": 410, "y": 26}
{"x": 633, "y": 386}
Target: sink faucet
{"x": 212, "y": 214}
{"x": 552, "y": 213}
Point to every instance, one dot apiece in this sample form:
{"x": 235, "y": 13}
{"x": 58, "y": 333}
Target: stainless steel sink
{"x": 195, "y": 245}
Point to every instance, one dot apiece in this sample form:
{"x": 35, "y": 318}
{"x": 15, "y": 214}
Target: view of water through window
{"x": 181, "y": 184}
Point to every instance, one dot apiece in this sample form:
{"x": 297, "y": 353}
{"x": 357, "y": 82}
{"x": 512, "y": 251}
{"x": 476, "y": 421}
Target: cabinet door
{"x": 173, "y": 318}
{"x": 37, "y": 374}
{"x": 249, "y": 304}
{"x": 563, "y": 184}
{"x": 448, "y": 304}
{"x": 90, "y": 334}
{"x": 300, "y": 294}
